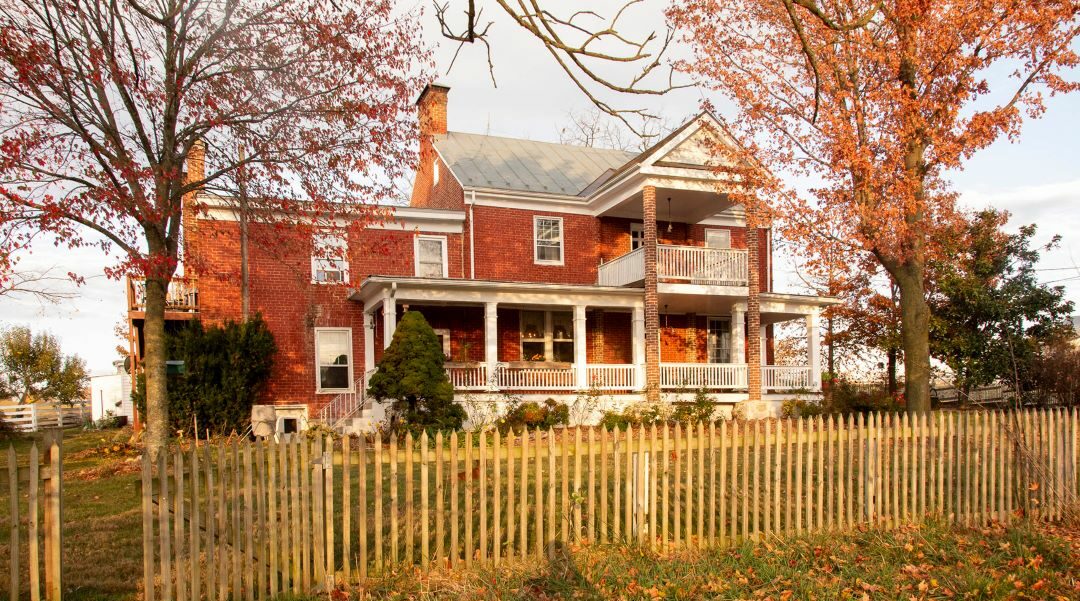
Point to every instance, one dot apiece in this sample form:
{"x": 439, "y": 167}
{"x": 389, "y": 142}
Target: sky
{"x": 1036, "y": 178}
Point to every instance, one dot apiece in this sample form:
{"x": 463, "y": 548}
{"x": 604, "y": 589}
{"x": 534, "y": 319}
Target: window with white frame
{"x": 333, "y": 360}
{"x": 547, "y": 336}
{"x": 329, "y": 258}
{"x": 548, "y": 240}
{"x": 637, "y": 235}
{"x": 719, "y": 340}
{"x": 430, "y": 253}
{"x": 718, "y": 238}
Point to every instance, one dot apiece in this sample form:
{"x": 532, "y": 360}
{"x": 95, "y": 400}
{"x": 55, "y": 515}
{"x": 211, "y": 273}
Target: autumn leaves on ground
{"x": 931, "y": 562}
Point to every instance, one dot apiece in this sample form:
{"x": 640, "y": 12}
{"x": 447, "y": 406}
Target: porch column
{"x": 754, "y": 352}
{"x": 580, "y": 353}
{"x": 389, "y": 319}
{"x": 652, "y": 301}
{"x": 813, "y": 350}
{"x": 637, "y": 339}
{"x": 738, "y": 333}
{"x": 369, "y": 341}
{"x": 491, "y": 340}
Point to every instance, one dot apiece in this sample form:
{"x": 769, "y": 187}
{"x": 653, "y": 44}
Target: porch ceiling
{"x": 687, "y": 206}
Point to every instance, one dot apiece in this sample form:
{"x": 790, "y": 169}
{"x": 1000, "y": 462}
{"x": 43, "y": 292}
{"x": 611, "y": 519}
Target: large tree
{"x": 104, "y": 103}
{"x": 991, "y": 316}
{"x": 34, "y": 368}
{"x": 876, "y": 101}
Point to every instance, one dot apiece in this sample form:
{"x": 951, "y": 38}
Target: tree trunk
{"x": 891, "y": 367}
{"x": 915, "y": 334}
{"x": 154, "y": 357}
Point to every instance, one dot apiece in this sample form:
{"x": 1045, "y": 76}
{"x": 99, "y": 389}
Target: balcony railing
{"x": 535, "y": 378}
{"x": 729, "y": 376}
{"x": 693, "y": 264}
{"x": 785, "y": 377}
{"x": 183, "y": 295}
{"x": 701, "y": 265}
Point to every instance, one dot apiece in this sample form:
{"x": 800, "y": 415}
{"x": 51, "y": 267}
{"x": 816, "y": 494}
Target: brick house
{"x": 546, "y": 270}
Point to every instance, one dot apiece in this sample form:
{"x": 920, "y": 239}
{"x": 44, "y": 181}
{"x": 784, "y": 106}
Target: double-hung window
{"x": 333, "y": 360}
{"x": 719, "y": 340}
{"x": 329, "y": 258}
{"x": 637, "y": 235}
{"x": 548, "y": 240}
{"x": 547, "y": 336}
{"x": 430, "y": 252}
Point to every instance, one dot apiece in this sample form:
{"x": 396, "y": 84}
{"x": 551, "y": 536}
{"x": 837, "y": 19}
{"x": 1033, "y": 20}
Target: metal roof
{"x": 480, "y": 161}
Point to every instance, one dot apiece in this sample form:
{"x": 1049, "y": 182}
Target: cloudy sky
{"x": 1036, "y": 178}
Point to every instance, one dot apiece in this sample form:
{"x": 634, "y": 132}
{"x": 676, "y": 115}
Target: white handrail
{"x": 702, "y": 265}
{"x": 623, "y": 270}
{"x": 468, "y": 377}
{"x": 535, "y": 378}
{"x": 610, "y": 376}
{"x": 347, "y": 403}
{"x": 785, "y": 377}
{"x": 707, "y": 375}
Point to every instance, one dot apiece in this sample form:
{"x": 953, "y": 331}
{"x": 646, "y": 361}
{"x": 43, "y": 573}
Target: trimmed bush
{"x": 412, "y": 377}
{"x": 225, "y": 370}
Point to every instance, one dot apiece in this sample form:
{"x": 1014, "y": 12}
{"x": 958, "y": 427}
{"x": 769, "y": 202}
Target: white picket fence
{"x": 33, "y": 417}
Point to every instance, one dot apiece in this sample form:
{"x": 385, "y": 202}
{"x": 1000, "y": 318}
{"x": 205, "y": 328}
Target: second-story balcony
{"x": 684, "y": 264}
{"x": 182, "y": 297}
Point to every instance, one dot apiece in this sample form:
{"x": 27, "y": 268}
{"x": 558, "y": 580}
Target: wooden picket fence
{"x": 254, "y": 520}
{"x": 35, "y": 417}
{"x": 39, "y": 478}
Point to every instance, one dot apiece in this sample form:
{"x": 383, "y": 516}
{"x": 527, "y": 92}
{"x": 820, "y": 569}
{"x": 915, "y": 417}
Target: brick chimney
{"x": 431, "y": 113}
{"x": 194, "y": 170}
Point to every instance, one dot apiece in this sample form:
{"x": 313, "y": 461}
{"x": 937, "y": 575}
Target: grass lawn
{"x": 930, "y": 562}
{"x": 103, "y": 556}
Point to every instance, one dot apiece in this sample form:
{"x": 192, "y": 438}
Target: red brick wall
{"x": 618, "y": 344}
{"x": 504, "y": 247}
{"x": 444, "y": 194}
{"x": 466, "y": 326}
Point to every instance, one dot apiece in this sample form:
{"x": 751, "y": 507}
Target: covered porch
{"x": 518, "y": 338}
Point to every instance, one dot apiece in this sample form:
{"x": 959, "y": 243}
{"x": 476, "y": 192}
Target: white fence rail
{"x": 610, "y": 376}
{"x": 623, "y": 270}
{"x": 708, "y": 375}
{"x": 33, "y": 417}
{"x": 536, "y": 378}
{"x": 785, "y": 377}
{"x": 700, "y": 265}
{"x": 468, "y": 377}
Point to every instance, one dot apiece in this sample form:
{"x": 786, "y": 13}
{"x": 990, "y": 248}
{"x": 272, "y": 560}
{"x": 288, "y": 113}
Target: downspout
{"x": 472, "y": 237}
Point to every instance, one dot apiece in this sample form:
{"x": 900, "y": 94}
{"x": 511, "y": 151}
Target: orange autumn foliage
{"x": 874, "y": 102}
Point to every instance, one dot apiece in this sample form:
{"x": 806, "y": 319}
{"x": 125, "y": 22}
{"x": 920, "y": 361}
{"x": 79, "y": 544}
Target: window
{"x": 547, "y": 236}
{"x": 430, "y": 254}
{"x": 329, "y": 258}
{"x": 719, "y": 340}
{"x": 637, "y": 235}
{"x": 443, "y": 334}
{"x": 547, "y": 336}
{"x": 333, "y": 360}
{"x": 718, "y": 238}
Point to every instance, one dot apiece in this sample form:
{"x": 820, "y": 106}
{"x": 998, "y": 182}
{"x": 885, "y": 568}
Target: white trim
{"x": 639, "y": 228}
{"x": 445, "y": 333}
{"x": 562, "y": 241}
{"x": 416, "y": 253}
{"x": 318, "y": 366}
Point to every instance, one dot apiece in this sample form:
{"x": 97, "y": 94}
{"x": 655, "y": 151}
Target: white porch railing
{"x": 468, "y": 377}
{"x": 623, "y": 270}
{"x": 700, "y": 265}
{"x": 785, "y": 377}
{"x": 698, "y": 375}
{"x": 610, "y": 377}
{"x": 535, "y": 378}
{"x": 695, "y": 264}
{"x": 346, "y": 403}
